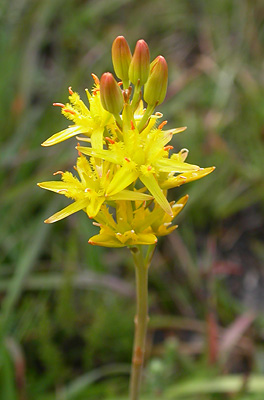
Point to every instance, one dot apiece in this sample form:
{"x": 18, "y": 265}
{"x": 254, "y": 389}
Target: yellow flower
{"x": 89, "y": 192}
{"x": 133, "y": 227}
{"x": 90, "y": 122}
{"x": 143, "y": 155}
{"x": 128, "y": 152}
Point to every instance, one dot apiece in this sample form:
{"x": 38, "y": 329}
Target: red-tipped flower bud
{"x": 121, "y": 57}
{"x": 110, "y": 93}
{"x": 156, "y": 86}
{"x": 139, "y": 66}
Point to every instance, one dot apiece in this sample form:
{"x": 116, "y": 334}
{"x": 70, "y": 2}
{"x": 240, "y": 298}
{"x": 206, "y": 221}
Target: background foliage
{"x": 67, "y": 308}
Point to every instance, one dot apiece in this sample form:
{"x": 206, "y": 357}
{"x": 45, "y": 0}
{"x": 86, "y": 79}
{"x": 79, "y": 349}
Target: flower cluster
{"x": 124, "y": 180}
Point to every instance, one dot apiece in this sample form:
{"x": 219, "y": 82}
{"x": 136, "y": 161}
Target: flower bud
{"x": 111, "y": 94}
{"x": 156, "y": 86}
{"x": 121, "y": 57}
{"x": 139, "y": 66}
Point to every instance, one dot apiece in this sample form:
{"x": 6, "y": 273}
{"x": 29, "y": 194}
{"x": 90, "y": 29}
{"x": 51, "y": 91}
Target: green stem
{"x": 118, "y": 120}
{"x": 141, "y": 319}
{"x": 145, "y": 117}
{"x": 125, "y": 85}
{"x": 136, "y": 96}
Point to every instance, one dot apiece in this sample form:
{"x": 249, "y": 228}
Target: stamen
{"x": 132, "y": 231}
{"x": 77, "y": 148}
{"x": 107, "y": 174}
{"x": 162, "y": 124}
{"x": 96, "y": 79}
{"x": 118, "y": 234}
{"x": 58, "y": 172}
{"x": 120, "y": 83}
{"x": 132, "y": 125}
{"x": 69, "y": 111}
{"x": 97, "y": 224}
{"x": 149, "y": 168}
{"x": 127, "y": 159}
{"x": 87, "y": 190}
{"x": 109, "y": 140}
{"x": 91, "y": 242}
{"x": 169, "y": 147}
{"x": 59, "y": 104}
{"x": 70, "y": 90}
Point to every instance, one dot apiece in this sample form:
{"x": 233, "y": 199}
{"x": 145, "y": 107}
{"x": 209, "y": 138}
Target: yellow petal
{"x": 186, "y": 177}
{"x": 130, "y": 195}
{"x": 104, "y": 154}
{"x": 177, "y": 207}
{"x": 94, "y": 206}
{"x": 105, "y": 240}
{"x": 146, "y": 238}
{"x": 152, "y": 185}
{"x": 122, "y": 179}
{"x": 63, "y": 135}
{"x": 97, "y": 139}
{"x": 105, "y": 218}
{"x": 167, "y": 165}
{"x": 57, "y": 186}
{"x": 71, "y": 209}
{"x": 177, "y": 130}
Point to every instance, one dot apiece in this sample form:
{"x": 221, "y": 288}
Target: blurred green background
{"x": 67, "y": 308}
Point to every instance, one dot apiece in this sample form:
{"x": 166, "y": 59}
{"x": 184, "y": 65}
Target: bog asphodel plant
{"x": 125, "y": 167}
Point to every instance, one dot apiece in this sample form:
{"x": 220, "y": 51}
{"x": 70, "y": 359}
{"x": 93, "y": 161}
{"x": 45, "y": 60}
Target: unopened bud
{"x": 140, "y": 63}
{"x": 121, "y": 57}
{"x": 156, "y": 86}
{"x": 111, "y": 94}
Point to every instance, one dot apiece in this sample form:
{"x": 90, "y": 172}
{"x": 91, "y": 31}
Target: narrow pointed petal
{"x": 97, "y": 139}
{"x": 155, "y": 216}
{"x": 57, "y": 186}
{"x": 63, "y": 135}
{"x": 104, "y": 154}
{"x": 94, "y": 206}
{"x": 122, "y": 179}
{"x": 186, "y": 177}
{"x": 168, "y": 165}
{"x": 130, "y": 195}
{"x": 71, "y": 209}
{"x": 105, "y": 218}
{"x": 146, "y": 238}
{"x": 152, "y": 185}
{"x": 105, "y": 240}
{"x": 177, "y": 130}
{"x": 177, "y": 207}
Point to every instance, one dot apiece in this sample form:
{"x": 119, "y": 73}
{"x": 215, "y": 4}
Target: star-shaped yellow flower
{"x": 143, "y": 155}
{"x": 89, "y": 192}
{"x": 133, "y": 227}
{"x": 90, "y": 122}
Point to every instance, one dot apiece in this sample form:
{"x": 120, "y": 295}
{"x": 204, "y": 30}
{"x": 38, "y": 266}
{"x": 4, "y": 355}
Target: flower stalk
{"x": 141, "y": 318}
